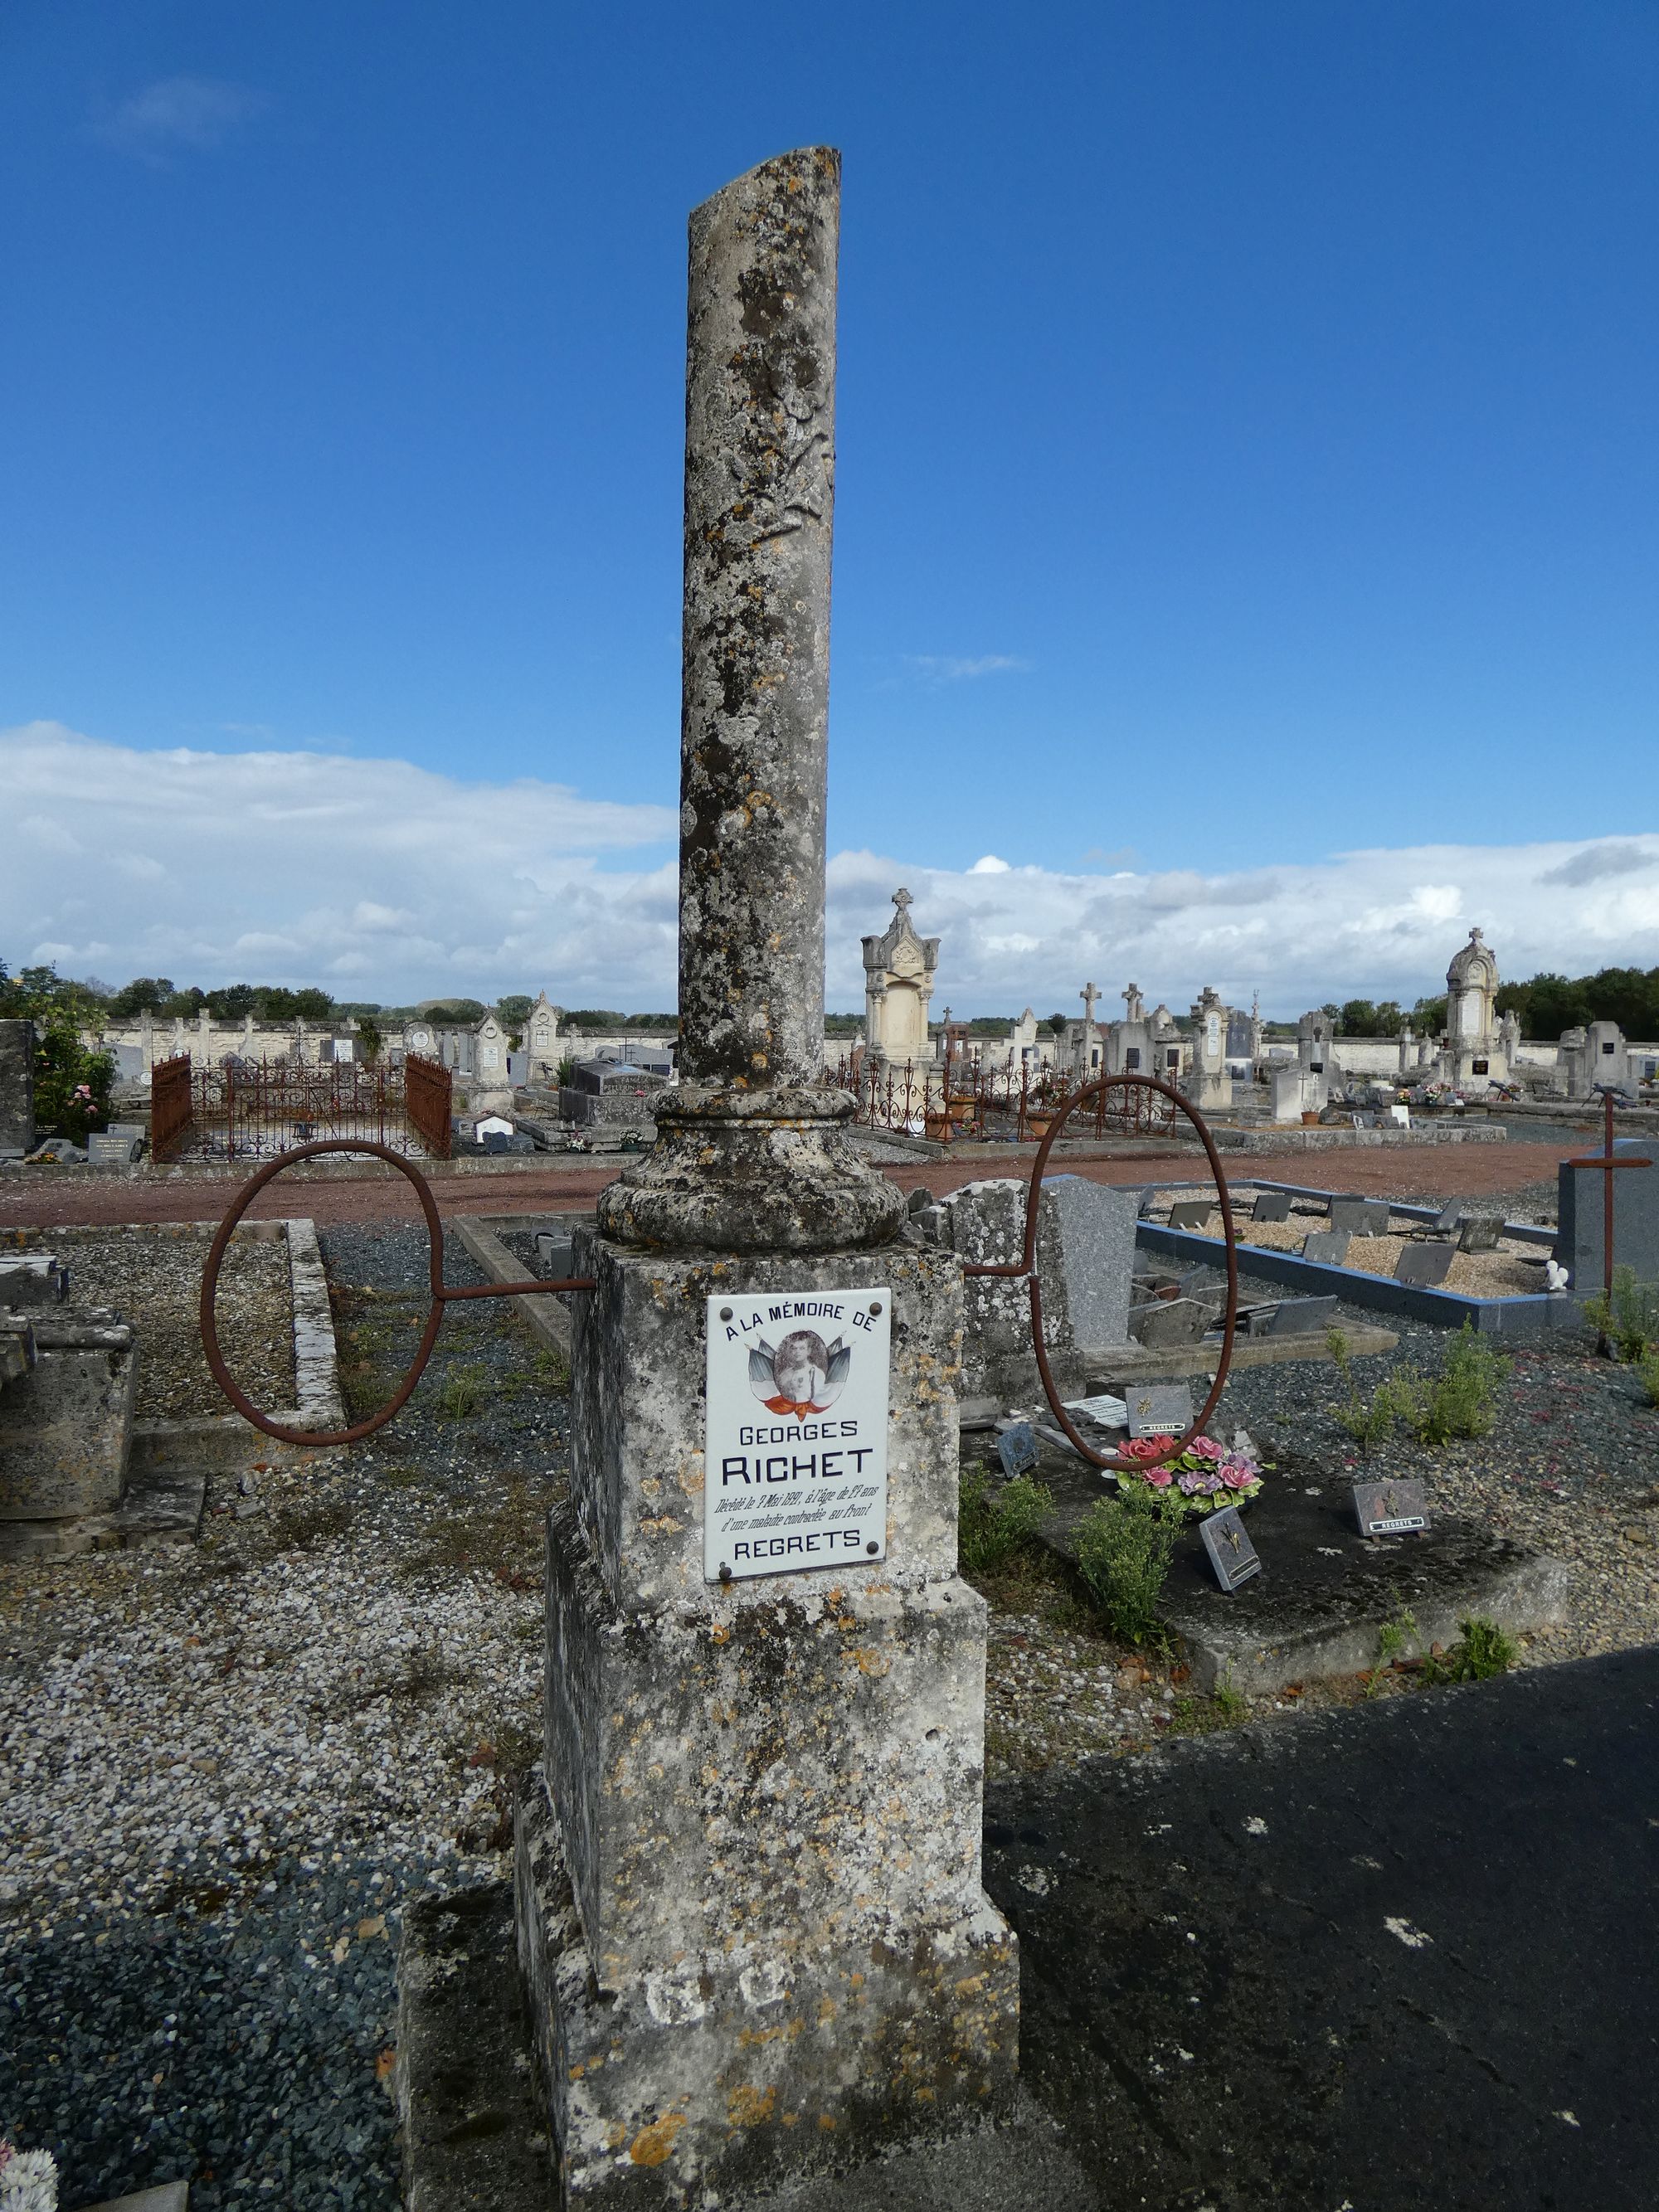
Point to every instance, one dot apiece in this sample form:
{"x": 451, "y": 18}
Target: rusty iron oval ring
{"x": 1115, "y": 1462}
{"x": 226, "y": 1230}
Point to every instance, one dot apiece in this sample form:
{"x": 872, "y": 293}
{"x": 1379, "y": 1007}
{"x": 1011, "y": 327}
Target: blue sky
{"x": 1247, "y": 459}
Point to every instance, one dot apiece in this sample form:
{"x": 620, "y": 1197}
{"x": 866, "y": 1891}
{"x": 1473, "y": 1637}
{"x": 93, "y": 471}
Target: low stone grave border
{"x": 170, "y": 1462}
{"x": 1526, "y": 1313}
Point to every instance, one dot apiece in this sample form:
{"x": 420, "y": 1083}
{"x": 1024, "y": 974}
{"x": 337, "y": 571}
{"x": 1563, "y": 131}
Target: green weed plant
{"x": 1124, "y": 1547}
{"x": 993, "y": 1524}
{"x": 1461, "y": 1400}
{"x": 1629, "y": 1318}
{"x": 1480, "y": 1652}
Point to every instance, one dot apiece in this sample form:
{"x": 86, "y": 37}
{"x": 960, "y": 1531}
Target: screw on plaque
{"x": 873, "y": 1548}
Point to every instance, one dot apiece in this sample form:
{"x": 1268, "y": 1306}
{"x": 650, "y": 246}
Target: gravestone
{"x": 17, "y": 1089}
{"x": 1161, "y": 1322}
{"x": 1448, "y": 1216}
{"x": 751, "y": 1923}
{"x": 66, "y": 1427}
{"x": 1191, "y": 1213}
{"x": 105, "y": 1149}
{"x": 1360, "y": 1217}
{"x": 1578, "y": 1246}
{"x": 1398, "y": 1507}
{"x": 1086, "y": 1252}
{"x": 1482, "y": 1233}
{"x": 1272, "y": 1205}
{"x": 1017, "y": 1448}
{"x": 1328, "y": 1246}
{"x": 1301, "y": 1317}
{"x": 1227, "y": 1544}
{"x": 1424, "y": 1263}
{"x": 1158, "y": 1409}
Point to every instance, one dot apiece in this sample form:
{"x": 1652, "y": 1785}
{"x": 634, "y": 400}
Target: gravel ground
{"x": 230, "y": 1767}
{"x": 152, "y": 1277}
{"x": 1514, "y": 1270}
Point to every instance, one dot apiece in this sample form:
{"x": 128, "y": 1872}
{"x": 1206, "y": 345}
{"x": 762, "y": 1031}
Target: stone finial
{"x": 902, "y": 899}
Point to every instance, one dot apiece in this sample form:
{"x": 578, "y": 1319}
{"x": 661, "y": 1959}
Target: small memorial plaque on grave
{"x": 1159, "y": 1409}
{"x": 795, "y": 1446}
{"x": 1301, "y": 1317}
{"x": 1329, "y": 1246}
{"x": 1391, "y": 1509}
{"x": 1230, "y": 1552}
{"x": 1361, "y": 1217}
{"x": 1478, "y": 1236}
{"x": 105, "y": 1150}
{"x": 1191, "y": 1213}
{"x": 1017, "y": 1448}
{"x": 1423, "y": 1263}
{"x": 1272, "y": 1205}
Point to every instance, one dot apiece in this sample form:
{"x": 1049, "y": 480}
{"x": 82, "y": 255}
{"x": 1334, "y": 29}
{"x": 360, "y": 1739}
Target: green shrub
{"x": 1481, "y": 1652}
{"x": 1649, "y": 1371}
{"x": 1461, "y": 1402}
{"x": 1630, "y": 1318}
{"x": 1464, "y": 1402}
{"x": 993, "y": 1524}
{"x": 1124, "y": 1547}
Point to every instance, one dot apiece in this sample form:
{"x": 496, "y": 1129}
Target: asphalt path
{"x": 1401, "y": 1958}
{"x": 53, "y": 1198}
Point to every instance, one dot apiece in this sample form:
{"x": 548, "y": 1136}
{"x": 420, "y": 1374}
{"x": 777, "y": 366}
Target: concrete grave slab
{"x": 33, "y": 1281}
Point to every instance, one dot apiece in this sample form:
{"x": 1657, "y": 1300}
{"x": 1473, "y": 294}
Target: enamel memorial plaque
{"x": 795, "y": 1449}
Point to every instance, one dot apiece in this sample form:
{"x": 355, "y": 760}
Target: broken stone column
{"x": 750, "y": 1921}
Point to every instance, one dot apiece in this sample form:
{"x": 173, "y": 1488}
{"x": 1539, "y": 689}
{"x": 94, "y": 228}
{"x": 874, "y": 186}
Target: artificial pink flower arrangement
{"x": 1203, "y": 1478}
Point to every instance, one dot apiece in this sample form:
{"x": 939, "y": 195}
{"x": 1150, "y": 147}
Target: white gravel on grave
{"x": 169, "y": 1731}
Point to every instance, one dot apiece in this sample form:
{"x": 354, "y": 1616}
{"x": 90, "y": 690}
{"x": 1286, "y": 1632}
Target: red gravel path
{"x": 55, "y": 1199}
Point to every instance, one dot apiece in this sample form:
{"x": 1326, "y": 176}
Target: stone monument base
{"x": 723, "y": 2076}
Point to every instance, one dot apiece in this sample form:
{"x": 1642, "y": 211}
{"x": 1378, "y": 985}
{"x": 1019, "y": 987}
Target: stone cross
{"x": 902, "y": 899}
{"x": 1089, "y": 995}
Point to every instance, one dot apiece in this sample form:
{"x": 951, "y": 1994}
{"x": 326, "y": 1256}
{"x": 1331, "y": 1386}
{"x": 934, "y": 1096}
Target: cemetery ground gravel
{"x": 231, "y": 1765}
{"x": 152, "y": 1276}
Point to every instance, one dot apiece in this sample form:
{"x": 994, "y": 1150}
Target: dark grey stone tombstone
{"x": 1448, "y": 1217}
{"x": 1097, "y": 1227}
{"x": 1162, "y": 1322}
{"x": 1423, "y": 1263}
{"x": 1272, "y": 1205}
{"x": 1399, "y": 1507}
{"x": 1227, "y": 1543}
{"x": 1191, "y": 1213}
{"x": 553, "y": 1250}
{"x": 496, "y": 1140}
{"x": 105, "y": 1149}
{"x": 1017, "y": 1448}
{"x": 1329, "y": 1246}
{"x": 1481, "y": 1235}
{"x": 1302, "y": 1317}
{"x": 1158, "y": 1409}
{"x": 1635, "y": 1216}
{"x": 17, "y": 1089}
{"x": 1360, "y": 1217}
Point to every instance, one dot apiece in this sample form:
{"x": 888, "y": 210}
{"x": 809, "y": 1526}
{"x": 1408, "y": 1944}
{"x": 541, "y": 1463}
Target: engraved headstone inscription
{"x": 796, "y": 1456}
{"x": 1227, "y": 1543}
{"x": 1395, "y": 1508}
{"x": 1159, "y": 1409}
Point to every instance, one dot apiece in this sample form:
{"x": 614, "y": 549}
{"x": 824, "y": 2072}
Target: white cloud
{"x": 382, "y": 879}
{"x": 950, "y": 668}
{"x": 192, "y": 114}
{"x": 387, "y": 881}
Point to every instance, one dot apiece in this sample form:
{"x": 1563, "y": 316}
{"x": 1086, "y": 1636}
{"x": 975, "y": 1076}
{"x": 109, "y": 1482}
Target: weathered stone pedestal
{"x": 750, "y": 1921}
